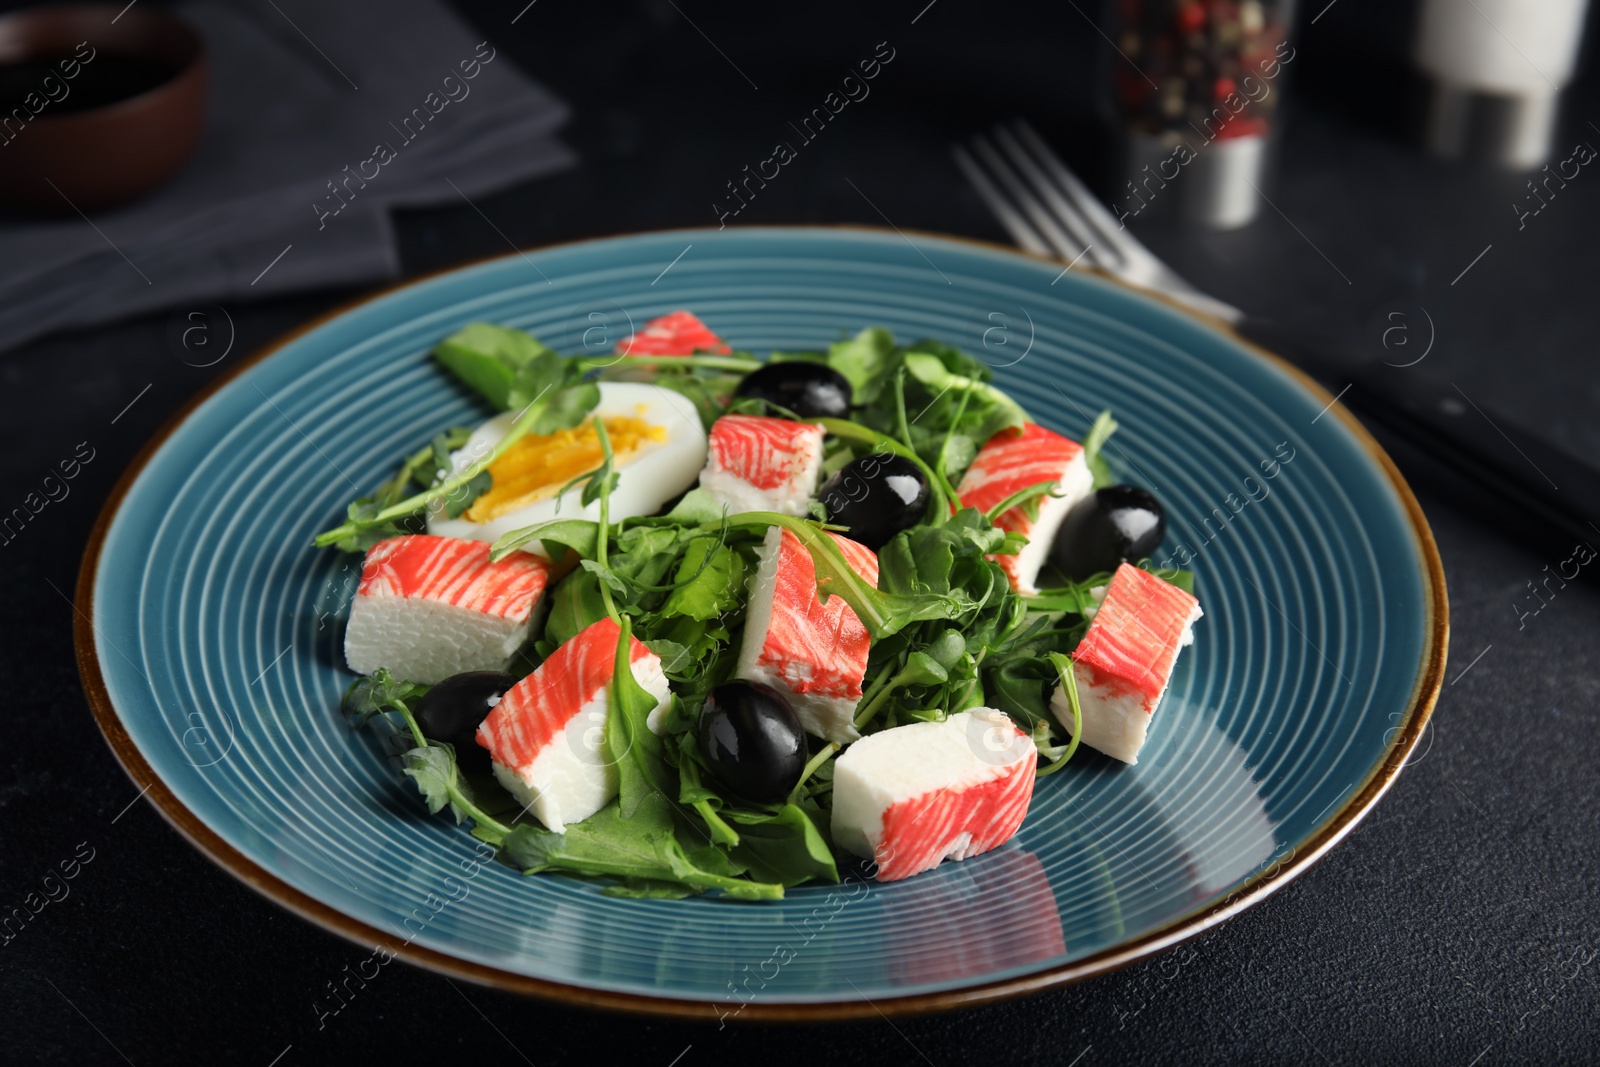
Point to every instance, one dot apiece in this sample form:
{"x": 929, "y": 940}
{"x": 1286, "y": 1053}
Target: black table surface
{"x": 1459, "y": 923}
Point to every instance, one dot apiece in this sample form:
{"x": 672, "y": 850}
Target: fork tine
{"x": 1062, "y": 243}
{"x": 1133, "y": 261}
{"x": 1106, "y": 226}
{"x": 1050, "y": 194}
{"x": 1018, "y": 227}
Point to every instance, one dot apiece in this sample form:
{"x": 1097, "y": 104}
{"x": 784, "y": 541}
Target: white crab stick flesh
{"x": 756, "y": 463}
{"x": 815, "y": 653}
{"x": 1013, "y": 460}
{"x": 911, "y": 797}
{"x": 1125, "y": 660}
{"x": 547, "y": 734}
{"x": 429, "y": 607}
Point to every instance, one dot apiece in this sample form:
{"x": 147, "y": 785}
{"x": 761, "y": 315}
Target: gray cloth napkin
{"x": 303, "y": 94}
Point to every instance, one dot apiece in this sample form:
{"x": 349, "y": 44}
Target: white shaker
{"x": 1497, "y": 68}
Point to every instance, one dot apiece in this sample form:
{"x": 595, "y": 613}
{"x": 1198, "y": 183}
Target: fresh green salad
{"x": 631, "y": 626}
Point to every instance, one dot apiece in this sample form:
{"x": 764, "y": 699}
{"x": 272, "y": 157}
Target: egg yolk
{"x": 537, "y": 466}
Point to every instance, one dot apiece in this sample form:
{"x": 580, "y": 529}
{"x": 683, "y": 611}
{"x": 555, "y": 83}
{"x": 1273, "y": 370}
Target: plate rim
{"x": 1424, "y": 696}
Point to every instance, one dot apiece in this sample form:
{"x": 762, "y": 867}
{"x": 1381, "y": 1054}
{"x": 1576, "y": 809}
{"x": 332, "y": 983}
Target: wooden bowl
{"x": 59, "y": 159}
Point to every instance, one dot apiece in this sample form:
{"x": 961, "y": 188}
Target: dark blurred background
{"x": 1457, "y": 924}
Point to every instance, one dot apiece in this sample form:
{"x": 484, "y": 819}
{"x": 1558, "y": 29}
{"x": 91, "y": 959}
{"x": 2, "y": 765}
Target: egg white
{"x": 653, "y": 476}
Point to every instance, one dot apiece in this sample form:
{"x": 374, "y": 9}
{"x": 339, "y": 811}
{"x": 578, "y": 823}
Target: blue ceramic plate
{"x": 213, "y": 658}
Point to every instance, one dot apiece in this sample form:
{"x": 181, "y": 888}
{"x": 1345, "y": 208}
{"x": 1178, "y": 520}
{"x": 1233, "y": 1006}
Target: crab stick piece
{"x": 677, "y": 334}
{"x": 429, "y": 607}
{"x": 1011, "y": 461}
{"x": 758, "y": 463}
{"x": 547, "y": 734}
{"x": 815, "y": 653}
{"x": 1125, "y": 660}
{"x": 911, "y": 797}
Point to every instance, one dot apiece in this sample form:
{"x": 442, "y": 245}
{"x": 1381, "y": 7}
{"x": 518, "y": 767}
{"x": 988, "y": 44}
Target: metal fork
{"x": 1048, "y": 210}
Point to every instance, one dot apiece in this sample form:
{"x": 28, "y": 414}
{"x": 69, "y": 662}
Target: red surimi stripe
{"x": 826, "y": 642}
{"x": 454, "y": 572}
{"x": 540, "y": 706}
{"x": 1134, "y": 639}
{"x": 1011, "y": 461}
{"x": 766, "y": 452}
{"x": 677, "y": 334}
{"x": 918, "y": 831}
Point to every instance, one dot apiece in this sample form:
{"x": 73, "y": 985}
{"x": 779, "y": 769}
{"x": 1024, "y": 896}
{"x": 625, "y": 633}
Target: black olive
{"x": 452, "y": 710}
{"x": 1111, "y": 526}
{"x": 877, "y": 496}
{"x": 810, "y": 390}
{"x": 752, "y": 741}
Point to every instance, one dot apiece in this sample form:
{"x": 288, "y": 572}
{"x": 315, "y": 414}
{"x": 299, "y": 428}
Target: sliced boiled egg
{"x": 658, "y": 447}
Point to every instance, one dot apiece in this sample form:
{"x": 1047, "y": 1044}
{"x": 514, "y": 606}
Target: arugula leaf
{"x": 488, "y": 359}
{"x": 1020, "y": 687}
{"x": 641, "y": 847}
{"x": 881, "y": 613}
{"x": 423, "y": 468}
{"x": 787, "y": 848}
{"x": 920, "y": 669}
{"x": 608, "y": 578}
{"x": 469, "y": 491}
{"x": 575, "y": 604}
{"x": 865, "y": 360}
{"x": 706, "y": 802}
{"x": 648, "y": 889}
{"x": 1093, "y": 442}
{"x": 696, "y": 507}
{"x": 675, "y": 656}
{"x": 1069, "y": 684}
{"x": 630, "y": 744}
{"x": 716, "y": 586}
{"x": 989, "y": 653}
{"x": 933, "y": 372}
{"x": 940, "y": 560}
{"x": 580, "y": 535}
{"x": 363, "y": 529}
{"x": 709, "y": 658}
{"x": 1076, "y": 598}
{"x": 956, "y": 450}
{"x": 1027, "y": 499}
{"x": 954, "y": 359}
{"x": 646, "y": 553}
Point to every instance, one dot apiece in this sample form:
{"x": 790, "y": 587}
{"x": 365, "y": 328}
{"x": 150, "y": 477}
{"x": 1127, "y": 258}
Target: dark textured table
{"x": 1460, "y": 923}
